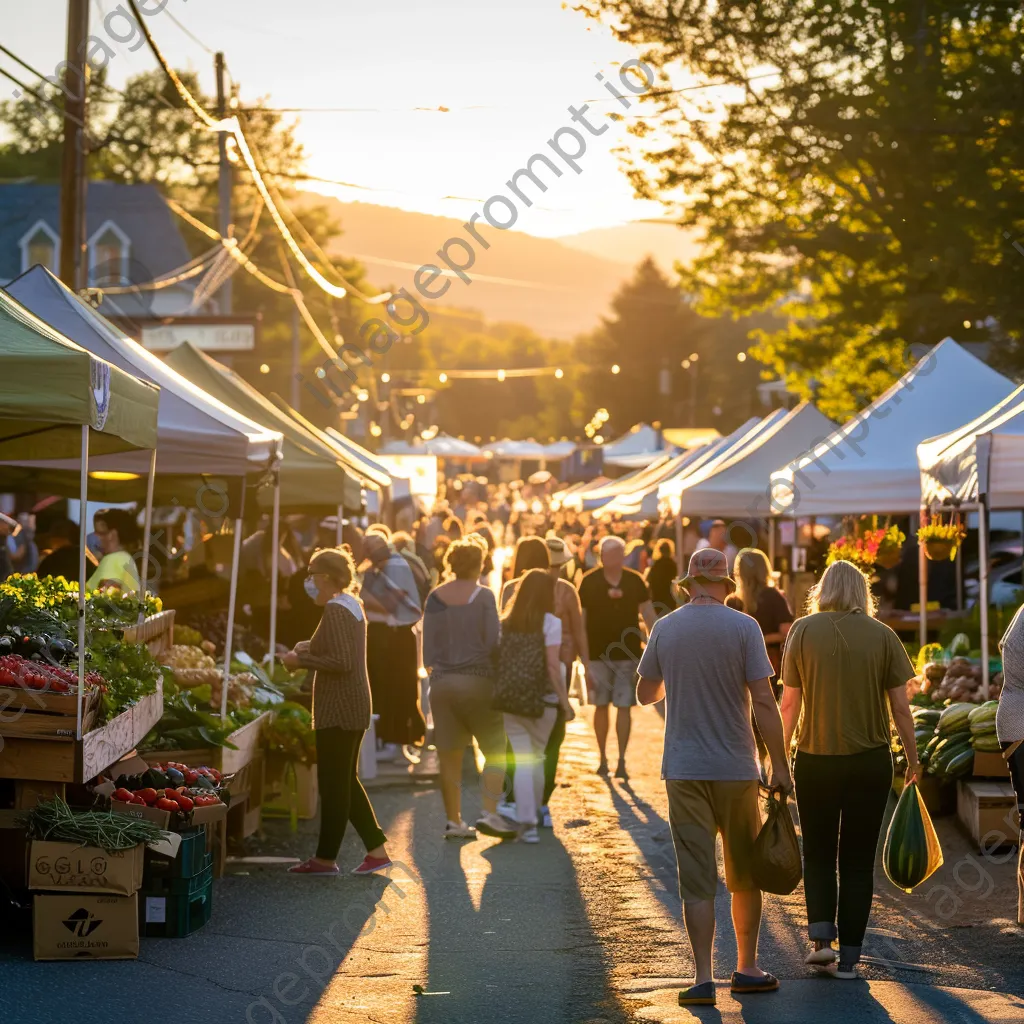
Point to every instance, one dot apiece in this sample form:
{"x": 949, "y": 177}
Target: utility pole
{"x": 224, "y": 184}
{"x": 72, "y": 168}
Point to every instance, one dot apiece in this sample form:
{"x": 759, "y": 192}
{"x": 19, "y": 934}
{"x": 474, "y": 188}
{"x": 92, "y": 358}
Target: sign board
{"x": 419, "y": 470}
{"x": 208, "y": 337}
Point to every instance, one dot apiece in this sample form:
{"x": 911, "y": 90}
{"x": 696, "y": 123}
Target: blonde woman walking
{"x": 846, "y": 671}
{"x": 763, "y": 601}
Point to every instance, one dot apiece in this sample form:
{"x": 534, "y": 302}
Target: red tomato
{"x": 136, "y": 799}
{"x": 148, "y": 796}
{"x": 125, "y": 796}
{"x": 163, "y": 804}
{"x": 185, "y": 803}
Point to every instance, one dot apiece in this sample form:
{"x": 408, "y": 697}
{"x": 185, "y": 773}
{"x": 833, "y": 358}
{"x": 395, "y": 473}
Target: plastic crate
{"x": 169, "y": 916}
{"x": 181, "y": 886}
{"x": 191, "y": 859}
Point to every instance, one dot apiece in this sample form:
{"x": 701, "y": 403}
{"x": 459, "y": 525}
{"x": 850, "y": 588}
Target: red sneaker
{"x": 314, "y": 867}
{"x": 372, "y": 864}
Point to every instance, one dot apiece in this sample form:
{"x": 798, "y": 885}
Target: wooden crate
{"x": 227, "y": 762}
{"x": 988, "y": 811}
{"x": 155, "y": 631}
{"x": 37, "y": 714}
{"x": 45, "y": 760}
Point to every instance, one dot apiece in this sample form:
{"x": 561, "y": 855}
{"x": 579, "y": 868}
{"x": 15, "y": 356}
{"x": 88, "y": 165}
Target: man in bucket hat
{"x": 709, "y": 663}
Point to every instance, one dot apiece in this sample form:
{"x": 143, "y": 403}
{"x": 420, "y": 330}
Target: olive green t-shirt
{"x": 844, "y": 662}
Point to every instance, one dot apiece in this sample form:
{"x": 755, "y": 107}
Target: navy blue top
{"x": 461, "y": 638}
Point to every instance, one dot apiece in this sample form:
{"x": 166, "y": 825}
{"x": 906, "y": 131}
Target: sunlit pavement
{"x": 584, "y": 927}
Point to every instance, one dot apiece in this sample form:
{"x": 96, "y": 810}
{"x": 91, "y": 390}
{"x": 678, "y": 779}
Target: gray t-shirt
{"x": 707, "y": 655}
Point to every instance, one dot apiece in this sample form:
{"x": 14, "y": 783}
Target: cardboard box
{"x": 988, "y": 765}
{"x": 197, "y": 816}
{"x": 988, "y": 811}
{"x": 73, "y": 926}
{"x": 84, "y": 868}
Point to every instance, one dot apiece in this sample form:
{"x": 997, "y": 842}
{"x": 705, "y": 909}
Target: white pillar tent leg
{"x": 230, "y": 634}
{"x": 147, "y": 533}
{"x": 275, "y": 568}
{"x": 83, "y": 532}
{"x": 922, "y": 582}
{"x": 338, "y": 530}
{"x": 983, "y": 591}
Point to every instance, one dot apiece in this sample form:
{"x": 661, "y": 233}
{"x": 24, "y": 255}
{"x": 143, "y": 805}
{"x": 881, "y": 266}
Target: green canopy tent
{"x": 311, "y": 474}
{"x": 58, "y": 400}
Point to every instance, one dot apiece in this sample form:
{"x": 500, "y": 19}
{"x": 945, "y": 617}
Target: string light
{"x": 501, "y": 375}
{"x": 558, "y": 374}
{"x": 421, "y": 399}
{"x": 385, "y": 378}
{"x": 685, "y": 364}
{"x": 264, "y": 368}
{"x": 616, "y": 368}
{"x": 443, "y": 378}
{"x": 741, "y": 357}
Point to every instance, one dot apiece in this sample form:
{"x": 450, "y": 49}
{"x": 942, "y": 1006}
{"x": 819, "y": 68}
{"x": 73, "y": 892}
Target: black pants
{"x": 342, "y": 797}
{"x": 841, "y": 800}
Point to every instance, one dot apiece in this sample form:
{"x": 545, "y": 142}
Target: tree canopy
{"x": 858, "y": 170}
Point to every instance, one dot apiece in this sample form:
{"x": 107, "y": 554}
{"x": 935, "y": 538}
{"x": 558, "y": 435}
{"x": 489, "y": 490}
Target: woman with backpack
{"x": 530, "y": 687}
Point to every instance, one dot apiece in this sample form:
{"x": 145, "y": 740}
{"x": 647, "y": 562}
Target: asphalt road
{"x": 584, "y": 927}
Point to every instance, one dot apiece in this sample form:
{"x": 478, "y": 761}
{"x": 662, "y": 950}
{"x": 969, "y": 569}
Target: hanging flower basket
{"x": 889, "y": 558}
{"x": 939, "y": 550}
{"x": 941, "y": 540}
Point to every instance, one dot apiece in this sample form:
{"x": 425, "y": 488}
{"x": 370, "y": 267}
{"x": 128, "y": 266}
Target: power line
{"x": 195, "y": 39}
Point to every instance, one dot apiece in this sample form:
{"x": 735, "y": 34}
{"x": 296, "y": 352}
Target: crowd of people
{"x": 477, "y": 620}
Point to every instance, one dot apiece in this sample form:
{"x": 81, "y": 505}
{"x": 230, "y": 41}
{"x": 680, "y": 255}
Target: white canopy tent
{"x": 508, "y": 449}
{"x": 869, "y": 465}
{"x": 599, "y": 492}
{"x": 979, "y": 465}
{"x": 637, "y": 449}
{"x": 737, "y": 483}
{"x": 559, "y": 450}
{"x": 444, "y": 446}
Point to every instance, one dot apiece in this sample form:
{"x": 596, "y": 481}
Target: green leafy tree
{"x": 652, "y": 335}
{"x": 860, "y": 175}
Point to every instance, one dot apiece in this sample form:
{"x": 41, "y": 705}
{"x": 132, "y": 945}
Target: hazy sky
{"x": 520, "y": 62}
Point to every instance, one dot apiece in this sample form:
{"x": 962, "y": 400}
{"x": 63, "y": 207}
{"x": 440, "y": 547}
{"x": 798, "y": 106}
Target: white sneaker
{"x": 820, "y": 957}
{"x": 507, "y": 809}
{"x": 459, "y": 830}
{"x": 529, "y": 835}
{"x": 545, "y": 817}
{"x": 847, "y": 972}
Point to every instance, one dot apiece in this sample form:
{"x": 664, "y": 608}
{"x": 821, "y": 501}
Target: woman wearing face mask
{"x": 341, "y": 713}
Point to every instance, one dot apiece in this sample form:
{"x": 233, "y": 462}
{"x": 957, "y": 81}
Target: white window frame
{"x": 126, "y": 247}
{"x": 23, "y": 244}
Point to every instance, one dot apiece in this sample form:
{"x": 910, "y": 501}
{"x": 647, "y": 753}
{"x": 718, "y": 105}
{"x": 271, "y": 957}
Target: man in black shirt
{"x": 613, "y": 599}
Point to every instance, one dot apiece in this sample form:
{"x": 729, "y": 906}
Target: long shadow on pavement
{"x": 509, "y": 937}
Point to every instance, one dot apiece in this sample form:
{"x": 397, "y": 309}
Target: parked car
{"x": 1005, "y": 583}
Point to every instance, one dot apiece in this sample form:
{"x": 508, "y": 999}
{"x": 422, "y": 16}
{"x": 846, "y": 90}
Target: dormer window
{"x": 40, "y": 244}
{"x": 108, "y": 256}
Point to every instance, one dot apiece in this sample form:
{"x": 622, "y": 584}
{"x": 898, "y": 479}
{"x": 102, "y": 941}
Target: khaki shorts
{"x": 697, "y": 811}
{"x": 612, "y": 682}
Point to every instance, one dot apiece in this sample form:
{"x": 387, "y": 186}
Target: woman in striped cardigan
{"x": 341, "y": 713}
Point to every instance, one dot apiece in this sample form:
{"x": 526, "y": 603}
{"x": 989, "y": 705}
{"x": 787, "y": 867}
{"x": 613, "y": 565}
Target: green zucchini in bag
{"x": 912, "y": 852}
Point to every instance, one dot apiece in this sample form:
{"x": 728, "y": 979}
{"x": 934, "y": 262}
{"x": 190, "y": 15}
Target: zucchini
{"x": 960, "y": 764}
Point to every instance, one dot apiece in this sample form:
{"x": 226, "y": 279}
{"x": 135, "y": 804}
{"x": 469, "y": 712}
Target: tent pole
{"x": 147, "y": 533}
{"x": 337, "y": 538}
{"x": 983, "y": 590}
{"x": 960, "y": 578}
{"x": 679, "y": 540}
{"x": 229, "y": 635}
{"x": 83, "y": 532}
{"x": 274, "y": 568}
{"x": 922, "y": 580}
{"x": 771, "y": 542}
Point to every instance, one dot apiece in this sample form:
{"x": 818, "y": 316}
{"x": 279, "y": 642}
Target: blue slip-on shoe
{"x": 742, "y": 983}
{"x": 698, "y": 995}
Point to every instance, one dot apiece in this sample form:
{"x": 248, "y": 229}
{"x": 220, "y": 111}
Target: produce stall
{"x": 57, "y": 400}
{"x": 208, "y": 453}
{"x": 122, "y": 693}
